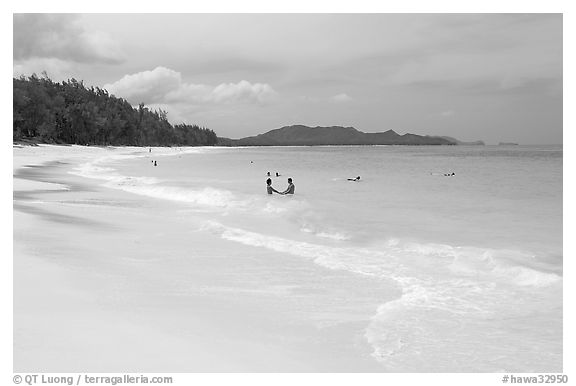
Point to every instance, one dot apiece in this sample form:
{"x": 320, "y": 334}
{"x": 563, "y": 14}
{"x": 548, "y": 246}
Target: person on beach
{"x": 155, "y": 163}
{"x": 354, "y": 179}
{"x": 269, "y": 187}
{"x": 290, "y": 188}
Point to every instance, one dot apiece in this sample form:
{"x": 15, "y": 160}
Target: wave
{"x": 151, "y": 187}
{"x": 443, "y": 288}
{"x": 326, "y": 234}
{"x": 506, "y": 266}
{"x": 397, "y": 260}
{"x": 395, "y": 257}
{"x": 205, "y": 198}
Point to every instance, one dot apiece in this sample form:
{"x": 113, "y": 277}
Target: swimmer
{"x": 290, "y": 189}
{"x": 269, "y": 187}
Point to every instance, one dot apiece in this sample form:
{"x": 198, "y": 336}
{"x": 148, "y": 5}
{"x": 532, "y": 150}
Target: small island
{"x": 300, "y": 135}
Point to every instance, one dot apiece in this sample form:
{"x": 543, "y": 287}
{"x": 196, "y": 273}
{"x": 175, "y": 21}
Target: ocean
{"x": 439, "y": 259}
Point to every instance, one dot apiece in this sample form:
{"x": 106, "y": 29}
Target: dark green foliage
{"x": 68, "y": 112}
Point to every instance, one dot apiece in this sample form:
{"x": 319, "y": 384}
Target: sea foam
{"x": 152, "y": 187}
{"x": 482, "y": 282}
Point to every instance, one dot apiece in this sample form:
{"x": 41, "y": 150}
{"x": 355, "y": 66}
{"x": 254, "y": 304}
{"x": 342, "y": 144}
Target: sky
{"x": 491, "y": 77}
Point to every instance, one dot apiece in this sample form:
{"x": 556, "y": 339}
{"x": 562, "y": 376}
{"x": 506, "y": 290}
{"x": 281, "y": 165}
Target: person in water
{"x": 268, "y": 174}
{"x": 290, "y": 188}
{"x": 269, "y": 187}
{"x": 354, "y": 179}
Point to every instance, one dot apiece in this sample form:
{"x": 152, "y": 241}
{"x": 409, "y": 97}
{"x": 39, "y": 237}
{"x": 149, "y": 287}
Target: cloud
{"x": 341, "y": 98}
{"x": 61, "y": 36}
{"x": 163, "y": 85}
{"x": 55, "y": 68}
{"x": 447, "y": 113}
{"x": 242, "y": 91}
{"x": 507, "y": 49}
{"x": 146, "y": 86}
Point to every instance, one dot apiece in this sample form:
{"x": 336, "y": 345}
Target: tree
{"x": 68, "y": 112}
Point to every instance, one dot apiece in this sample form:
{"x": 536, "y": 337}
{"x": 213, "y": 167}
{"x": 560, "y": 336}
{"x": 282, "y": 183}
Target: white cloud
{"x": 187, "y": 92}
{"x": 341, "y": 98}
{"x": 146, "y": 86}
{"x": 163, "y": 85}
{"x": 447, "y": 113}
{"x": 242, "y": 91}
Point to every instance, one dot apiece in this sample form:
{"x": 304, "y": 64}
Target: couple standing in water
{"x": 289, "y": 189}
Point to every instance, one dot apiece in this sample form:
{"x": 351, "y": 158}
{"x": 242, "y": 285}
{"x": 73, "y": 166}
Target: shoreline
{"x": 86, "y": 280}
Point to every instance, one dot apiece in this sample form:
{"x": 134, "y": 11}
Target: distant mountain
{"x": 457, "y": 142}
{"x": 507, "y": 144}
{"x": 299, "y": 135}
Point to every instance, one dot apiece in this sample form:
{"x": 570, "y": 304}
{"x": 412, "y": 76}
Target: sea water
{"x": 458, "y": 248}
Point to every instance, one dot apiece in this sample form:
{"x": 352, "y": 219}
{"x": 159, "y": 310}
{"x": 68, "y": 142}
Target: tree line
{"x": 69, "y": 112}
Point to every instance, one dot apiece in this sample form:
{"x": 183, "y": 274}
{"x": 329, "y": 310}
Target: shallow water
{"x": 461, "y": 273}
